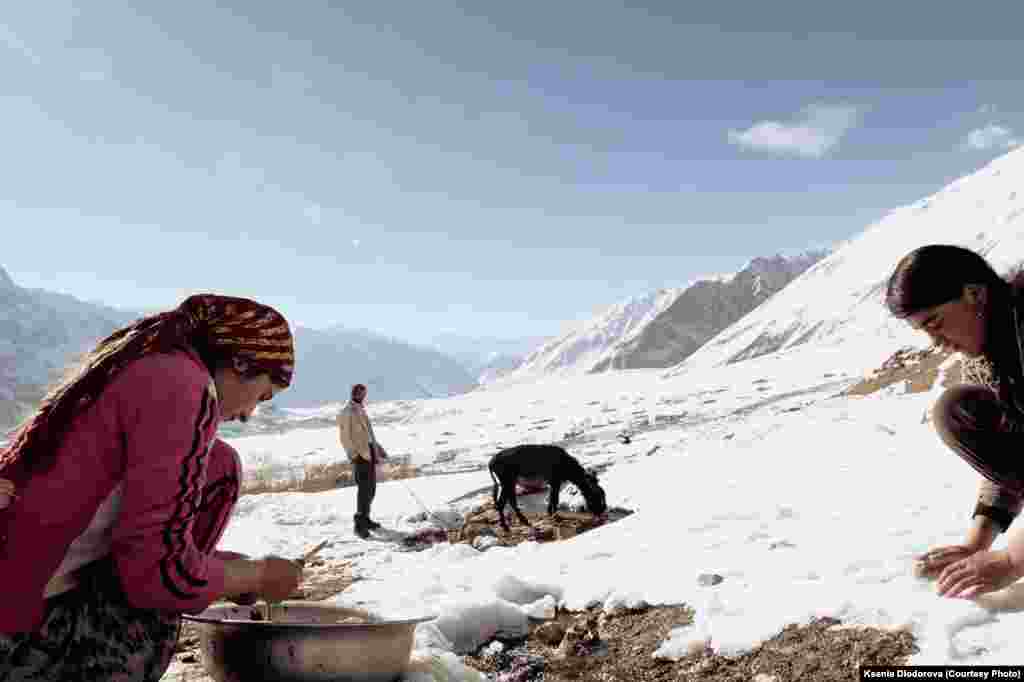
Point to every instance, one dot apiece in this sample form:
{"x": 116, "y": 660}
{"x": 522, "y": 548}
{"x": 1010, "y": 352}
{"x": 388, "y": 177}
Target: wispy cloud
{"x": 992, "y": 136}
{"x": 811, "y": 133}
{"x": 355, "y": 243}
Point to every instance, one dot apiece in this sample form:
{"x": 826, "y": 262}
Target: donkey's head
{"x": 593, "y": 493}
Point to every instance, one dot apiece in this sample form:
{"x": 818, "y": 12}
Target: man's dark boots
{"x": 361, "y": 527}
{"x": 371, "y": 524}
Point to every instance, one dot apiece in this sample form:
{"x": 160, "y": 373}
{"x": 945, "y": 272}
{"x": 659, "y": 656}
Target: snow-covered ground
{"x": 808, "y": 504}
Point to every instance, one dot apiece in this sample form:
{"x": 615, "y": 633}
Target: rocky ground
{"x": 917, "y": 369}
{"x": 592, "y": 646}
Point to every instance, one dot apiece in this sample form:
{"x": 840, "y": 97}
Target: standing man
{"x": 356, "y": 435}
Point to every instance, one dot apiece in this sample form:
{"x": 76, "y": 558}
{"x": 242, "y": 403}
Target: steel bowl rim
{"x": 198, "y": 618}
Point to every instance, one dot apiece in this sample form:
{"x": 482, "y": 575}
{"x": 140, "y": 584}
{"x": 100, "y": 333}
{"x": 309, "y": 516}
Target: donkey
{"x": 550, "y": 462}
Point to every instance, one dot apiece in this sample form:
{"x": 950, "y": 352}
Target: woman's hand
{"x": 272, "y": 578}
{"x": 279, "y": 579}
{"x": 978, "y": 573}
{"x": 930, "y": 564}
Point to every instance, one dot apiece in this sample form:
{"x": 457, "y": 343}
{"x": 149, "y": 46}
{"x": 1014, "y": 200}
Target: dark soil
{"x": 542, "y": 528}
{"x": 819, "y": 651}
{"x": 621, "y": 647}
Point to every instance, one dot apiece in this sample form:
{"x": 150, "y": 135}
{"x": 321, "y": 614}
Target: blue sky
{"x": 492, "y": 168}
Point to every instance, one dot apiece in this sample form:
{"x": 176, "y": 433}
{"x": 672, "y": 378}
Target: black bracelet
{"x": 1002, "y": 517}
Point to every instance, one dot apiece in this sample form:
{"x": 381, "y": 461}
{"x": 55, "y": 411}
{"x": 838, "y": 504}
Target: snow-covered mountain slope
{"x": 496, "y": 366}
{"x": 581, "y": 348}
{"x": 664, "y": 327}
{"x": 702, "y": 310}
{"x": 485, "y": 357}
{"x": 840, "y": 300}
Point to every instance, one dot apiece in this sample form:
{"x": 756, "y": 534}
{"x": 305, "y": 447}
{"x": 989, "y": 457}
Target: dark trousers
{"x": 977, "y": 426}
{"x": 366, "y": 479}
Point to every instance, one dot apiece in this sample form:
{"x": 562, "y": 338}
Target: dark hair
{"x": 358, "y": 387}
{"x": 935, "y": 274}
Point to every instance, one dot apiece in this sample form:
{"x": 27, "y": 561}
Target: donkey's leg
{"x": 500, "y": 506}
{"x": 556, "y": 489}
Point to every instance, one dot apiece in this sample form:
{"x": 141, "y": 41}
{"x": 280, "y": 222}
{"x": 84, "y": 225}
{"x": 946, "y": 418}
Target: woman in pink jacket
{"x": 114, "y": 495}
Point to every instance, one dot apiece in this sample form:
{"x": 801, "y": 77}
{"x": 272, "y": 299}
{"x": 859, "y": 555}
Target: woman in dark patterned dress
{"x": 114, "y": 495}
{"x": 957, "y": 298}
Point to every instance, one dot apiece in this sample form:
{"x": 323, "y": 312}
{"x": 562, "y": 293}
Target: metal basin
{"x": 304, "y": 643}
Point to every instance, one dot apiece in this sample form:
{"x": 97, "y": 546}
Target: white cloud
{"x": 811, "y": 133}
{"x": 992, "y": 136}
{"x": 314, "y": 213}
{"x": 355, "y": 243}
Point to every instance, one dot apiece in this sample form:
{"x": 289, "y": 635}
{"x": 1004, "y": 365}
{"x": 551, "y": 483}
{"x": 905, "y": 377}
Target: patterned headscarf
{"x": 217, "y": 327}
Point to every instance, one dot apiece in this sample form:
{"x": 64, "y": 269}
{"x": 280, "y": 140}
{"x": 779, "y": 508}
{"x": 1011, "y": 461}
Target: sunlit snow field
{"x": 807, "y": 503}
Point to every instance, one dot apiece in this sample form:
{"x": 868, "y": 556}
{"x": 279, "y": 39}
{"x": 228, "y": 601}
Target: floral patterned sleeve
{"x": 980, "y": 371}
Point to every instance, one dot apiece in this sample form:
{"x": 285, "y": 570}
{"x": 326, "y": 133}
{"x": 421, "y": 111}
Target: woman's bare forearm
{"x": 982, "y": 533}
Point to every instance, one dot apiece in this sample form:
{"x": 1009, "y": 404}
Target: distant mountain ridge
{"x": 662, "y": 328}
{"x": 703, "y": 309}
{"x": 485, "y": 357}
{"x": 328, "y": 362}
{"x": 41, "y": 333}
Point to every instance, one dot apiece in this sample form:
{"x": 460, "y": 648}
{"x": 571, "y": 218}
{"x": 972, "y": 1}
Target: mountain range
{"x": 329, "y": 361}
{"x": 42, "y": 332}
{"x": 662, "y": 328}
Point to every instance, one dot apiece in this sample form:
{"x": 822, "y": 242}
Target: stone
{"x": 551, "y": 633}
{"x": 580, "y": 636}
{"x": 494, "y": 648}
{"x": 485, "y": 542}
{"x": 709, "y": 579}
